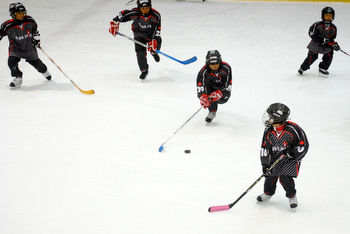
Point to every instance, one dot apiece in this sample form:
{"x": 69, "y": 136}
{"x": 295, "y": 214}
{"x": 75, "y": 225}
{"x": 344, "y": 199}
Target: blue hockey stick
{"x": 188, "y": 61}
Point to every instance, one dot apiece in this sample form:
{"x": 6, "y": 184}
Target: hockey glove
{"x": 264, "y": 169}
{"x": 287, "y": 153}
{"x": 36, "y": 39}
{"x": 335, "y": 46}
{"x": 204, "y": 101}
{"x": 215, "y": 96}
{"x": 114, "y": 28}
{"x": 152, "y": 45}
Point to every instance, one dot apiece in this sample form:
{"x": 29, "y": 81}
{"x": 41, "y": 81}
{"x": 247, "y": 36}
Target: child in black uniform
{"x": 322, "y": 34}
{"x": 24, "y": 38}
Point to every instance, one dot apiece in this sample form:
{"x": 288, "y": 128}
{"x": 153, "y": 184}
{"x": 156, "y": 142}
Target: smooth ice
{"x": 73, "y": 163}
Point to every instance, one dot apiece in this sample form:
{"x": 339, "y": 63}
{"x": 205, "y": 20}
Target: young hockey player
{"x": 281, "y": 137}
{"x": 322, "y": 34}
{"x": 24, "y": 38}
{"x": 146, "y": 27}
{"x": 214, "y": 83}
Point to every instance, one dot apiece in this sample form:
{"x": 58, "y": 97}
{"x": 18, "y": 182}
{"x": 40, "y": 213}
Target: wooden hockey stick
{"x": 91, "y": 91}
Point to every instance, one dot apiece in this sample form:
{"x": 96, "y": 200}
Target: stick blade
{"x": 88, "y": 91}
{"x": 218, "y": 208}
{"x": 188, "y": 61}
{"x": 160, "y": 148}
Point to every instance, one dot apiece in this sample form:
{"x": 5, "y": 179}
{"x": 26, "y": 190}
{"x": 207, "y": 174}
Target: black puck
{"x": 187, "y": 151}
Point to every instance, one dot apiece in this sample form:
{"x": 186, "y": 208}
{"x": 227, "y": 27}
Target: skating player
{"x": 281, "y": 137}
{"x": 214, "y": 83}
{"x": 146, "y": 27}
{"x": 322, "y": 34}
{"x": 24, "y": 38}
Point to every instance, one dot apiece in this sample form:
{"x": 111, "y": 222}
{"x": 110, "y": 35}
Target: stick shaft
{"x": 229, "y": 206}
{"x": 191, "y": 60}
{"x": 59, "y": 68}
{"x": 161, "y": 147}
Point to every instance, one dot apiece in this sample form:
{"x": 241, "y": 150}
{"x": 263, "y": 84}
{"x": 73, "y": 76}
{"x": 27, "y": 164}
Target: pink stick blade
{"x": 218, "y": 208}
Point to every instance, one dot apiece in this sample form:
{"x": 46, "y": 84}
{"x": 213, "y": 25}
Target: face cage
{"x": 267, "y": 119}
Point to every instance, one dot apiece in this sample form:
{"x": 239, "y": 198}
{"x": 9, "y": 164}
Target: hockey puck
{"x": 187, "y": 151}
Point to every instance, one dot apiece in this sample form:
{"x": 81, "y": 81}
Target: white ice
{"x": 73, "y": 163}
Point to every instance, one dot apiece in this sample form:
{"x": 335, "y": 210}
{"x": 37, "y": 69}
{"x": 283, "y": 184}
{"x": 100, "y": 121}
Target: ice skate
{"x": 47, "y": 75}
{"x": 300, "y": 72}
{"x": 155, "y": 56}
{"x": 293, "y": 202}
{"x": 323, "y": 73}
{"x": 263, "y": 197}
{"x": 210, "y": 116}
{"x": 16, "y": 83}
{"x": 144, "y": 75}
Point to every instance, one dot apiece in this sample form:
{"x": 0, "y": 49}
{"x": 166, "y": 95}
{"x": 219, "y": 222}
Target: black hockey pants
{"x": 286, "y": 181}
{"x": 214, "y": 105}
{"x": 311, "y": 58}
{"x": 141, "y": 52}
{"x": 15, "y": 72}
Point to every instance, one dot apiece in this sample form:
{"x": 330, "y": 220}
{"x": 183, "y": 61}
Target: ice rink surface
{"x": 73, "y": 163}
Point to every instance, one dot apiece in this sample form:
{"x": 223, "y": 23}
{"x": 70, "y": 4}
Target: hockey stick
{"x": 344, "y": 52}
{"x": 229, "y": 206}
{"x": 161, "y": 147}
{"x": 91, "y": 91}
{"x": 188, "y": 61}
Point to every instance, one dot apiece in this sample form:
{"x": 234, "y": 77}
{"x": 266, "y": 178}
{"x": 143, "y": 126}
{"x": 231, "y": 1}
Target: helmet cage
{"x": 267, "y": 119}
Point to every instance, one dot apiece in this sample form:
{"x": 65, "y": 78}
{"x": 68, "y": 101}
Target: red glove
{"x": 152, "y": 45}
{"x": 204, "y": 101}
{"x": 114, "y": 28}
{"x": 215, "y": 96}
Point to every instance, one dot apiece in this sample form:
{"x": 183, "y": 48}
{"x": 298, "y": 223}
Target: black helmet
{"x": 276, "y": 113}
{"x": 143, "y": 3}
{"x": 327, "y": 10}
{"x": 213, "y": 57}
{"x": 16, "y": 7}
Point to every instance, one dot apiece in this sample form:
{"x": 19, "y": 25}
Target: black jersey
{"x": 321, "y": 34}
{"x": 20, "y": 35}
{"x": 145, "y": 27}
{"x": 292, "y": 137}
{"x": 209, "y": 81}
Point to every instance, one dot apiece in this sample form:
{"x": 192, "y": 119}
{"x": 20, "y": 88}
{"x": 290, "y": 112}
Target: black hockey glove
{"x": 264, "y": 169}
{"x": 288, "y": 153}
{"x": 335, "y": 46}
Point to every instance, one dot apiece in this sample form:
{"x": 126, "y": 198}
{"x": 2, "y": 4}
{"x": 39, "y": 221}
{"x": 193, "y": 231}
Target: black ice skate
{"x": 323, "y": 73}
{"x": 16, "y": 83}
{"x": 210, "y": 116}
{"x": 144, "y": 75}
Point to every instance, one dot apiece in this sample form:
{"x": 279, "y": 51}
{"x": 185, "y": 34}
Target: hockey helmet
{"x": 276, "y": 113}
{"x": 327, "y": 10}
{"x": 144, "y": 3}
{"x": 213, "y": 57}
{"x": 16, "y": 7}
